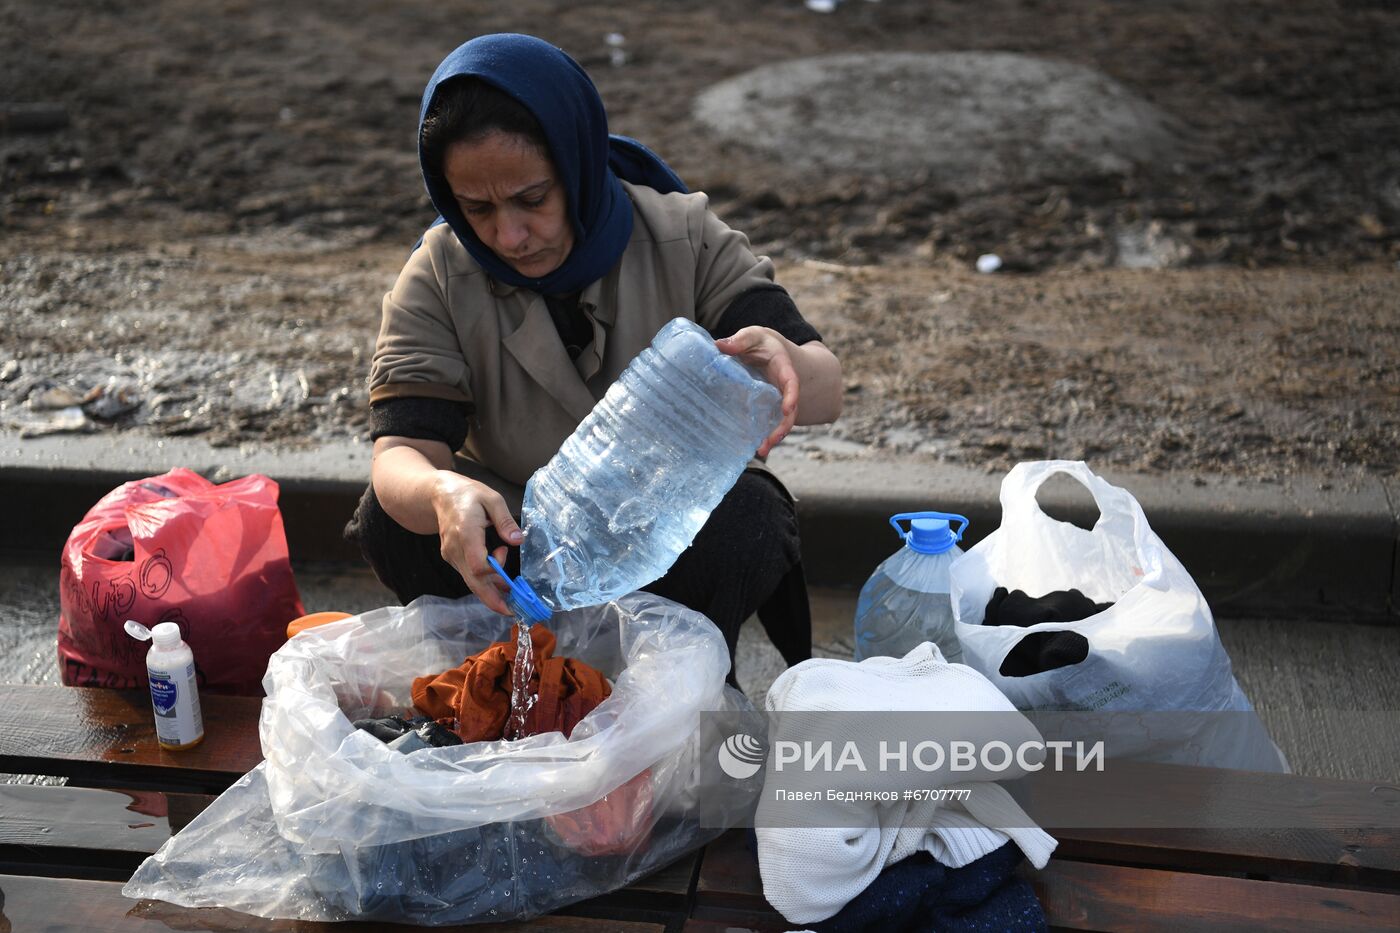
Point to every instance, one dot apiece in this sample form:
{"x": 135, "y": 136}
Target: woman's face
{"x": 511, "y": 195}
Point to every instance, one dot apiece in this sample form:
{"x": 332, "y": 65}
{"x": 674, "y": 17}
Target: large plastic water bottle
{"x": 905, "y": 602}
{"x": 629, "y": 490}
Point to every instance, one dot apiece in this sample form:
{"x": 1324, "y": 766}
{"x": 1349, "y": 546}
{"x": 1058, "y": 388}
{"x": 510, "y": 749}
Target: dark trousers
{"x": 745, "y": 560}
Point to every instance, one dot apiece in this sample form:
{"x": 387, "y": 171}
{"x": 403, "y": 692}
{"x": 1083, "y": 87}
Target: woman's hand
{"x": 771, "y": 354}
{"x": 465, "y": 509}
{"x": 808, "y": 376}
{"x": 417, "y": 486}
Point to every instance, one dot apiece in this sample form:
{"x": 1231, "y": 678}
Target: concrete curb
{"x": 1297, "y": 548}
{"x": 1290, "y": 549}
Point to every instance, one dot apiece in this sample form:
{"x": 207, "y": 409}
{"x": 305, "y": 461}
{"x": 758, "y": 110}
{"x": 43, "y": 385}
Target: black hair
{"x": 468, "y": 109}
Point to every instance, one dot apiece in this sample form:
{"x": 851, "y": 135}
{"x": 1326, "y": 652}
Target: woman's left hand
{"x": 771, "y": 354}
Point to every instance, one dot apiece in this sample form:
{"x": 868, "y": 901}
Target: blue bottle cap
{"x": 929, "y": 532}
{"x": 523, "y": 599}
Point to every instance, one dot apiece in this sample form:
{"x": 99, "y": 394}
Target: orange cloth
{"x": 477, "y": 696}
{"x": 477, "y": 693}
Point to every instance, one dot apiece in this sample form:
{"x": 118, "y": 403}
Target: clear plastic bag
{"x": 1155, "y": 649}
{"x": 335, "y": 825}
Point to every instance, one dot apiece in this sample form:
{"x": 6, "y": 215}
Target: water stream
{"x": 522, "y": 697}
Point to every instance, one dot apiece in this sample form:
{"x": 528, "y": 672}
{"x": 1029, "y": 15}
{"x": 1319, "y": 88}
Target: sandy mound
{"x": 974, "y": 119}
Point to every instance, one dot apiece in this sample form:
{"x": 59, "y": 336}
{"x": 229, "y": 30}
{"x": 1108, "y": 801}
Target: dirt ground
{"x": 200, "y": 247}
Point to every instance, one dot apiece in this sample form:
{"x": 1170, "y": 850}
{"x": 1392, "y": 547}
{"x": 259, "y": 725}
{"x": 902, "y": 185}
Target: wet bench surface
{"x": 64, "y": 851}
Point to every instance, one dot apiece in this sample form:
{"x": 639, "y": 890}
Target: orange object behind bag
{"x": 314, "y": 619}
{"x": 177, "y": 548}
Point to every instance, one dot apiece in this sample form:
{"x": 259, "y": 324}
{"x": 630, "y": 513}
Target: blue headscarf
{"x": 554, "y": 88}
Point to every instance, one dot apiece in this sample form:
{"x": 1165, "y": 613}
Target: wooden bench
{"x": 64, "y": 851}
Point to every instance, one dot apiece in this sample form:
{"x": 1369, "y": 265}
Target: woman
{"x": 560, "y": 252}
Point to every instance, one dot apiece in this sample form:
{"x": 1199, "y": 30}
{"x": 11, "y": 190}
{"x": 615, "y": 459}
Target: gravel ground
{"x": 196, "y": 241}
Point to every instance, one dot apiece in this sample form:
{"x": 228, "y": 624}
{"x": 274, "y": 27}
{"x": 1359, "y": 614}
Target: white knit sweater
{"x": 811, "y": 872}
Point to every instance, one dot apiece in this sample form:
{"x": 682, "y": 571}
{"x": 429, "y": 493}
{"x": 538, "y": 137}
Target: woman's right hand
{"x": 465, "y": 509}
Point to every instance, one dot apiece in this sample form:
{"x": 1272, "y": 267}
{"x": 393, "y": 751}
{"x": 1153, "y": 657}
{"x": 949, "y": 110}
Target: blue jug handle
{"x": 909, "y": 516}
{"x": 523, "y": 597}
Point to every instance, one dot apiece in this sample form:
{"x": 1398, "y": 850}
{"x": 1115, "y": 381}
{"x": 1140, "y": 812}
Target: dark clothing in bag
{"x": 1042, "y": 651}
{"x": 1019, "y": 608}
{"x": 499, "y": 871}
{"x": 458, "y": 877}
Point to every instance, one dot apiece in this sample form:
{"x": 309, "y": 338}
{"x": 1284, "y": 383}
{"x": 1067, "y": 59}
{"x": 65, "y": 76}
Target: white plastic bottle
{"x": 906, "y": 601}
{"x": 174, "y": 693}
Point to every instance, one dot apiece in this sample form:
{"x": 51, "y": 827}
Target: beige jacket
{"x": 450, "y": 331}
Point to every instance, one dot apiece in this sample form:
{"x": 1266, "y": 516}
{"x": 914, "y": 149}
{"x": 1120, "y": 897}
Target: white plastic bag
{"x": 336, "y": 825}
{"x": 1155, "y": 649}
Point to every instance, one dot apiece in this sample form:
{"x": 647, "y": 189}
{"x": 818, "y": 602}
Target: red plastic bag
{"x": 177, "y": 548}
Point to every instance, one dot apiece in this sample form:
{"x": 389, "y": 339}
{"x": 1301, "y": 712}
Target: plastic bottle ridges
{"x": 629, "y": 490}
